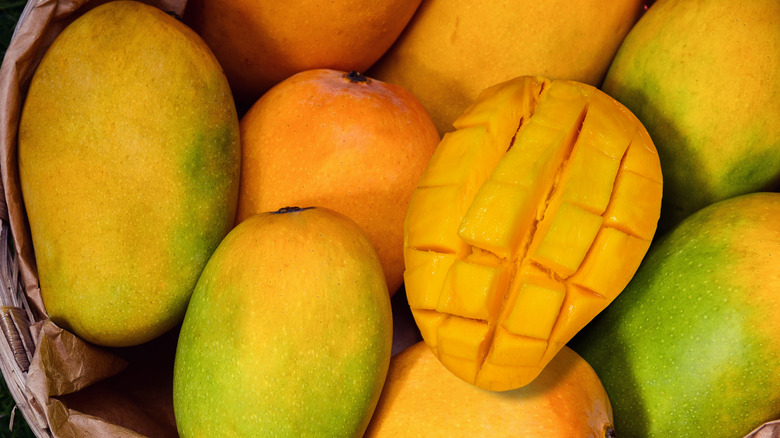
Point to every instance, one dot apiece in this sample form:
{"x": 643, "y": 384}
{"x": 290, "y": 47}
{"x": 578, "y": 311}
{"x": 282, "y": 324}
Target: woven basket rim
{"x": 17, "y": 350}
{"x": 16, "y": 316}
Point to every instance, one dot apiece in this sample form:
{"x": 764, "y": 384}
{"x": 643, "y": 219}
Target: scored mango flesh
{"x": 531, "y": 217}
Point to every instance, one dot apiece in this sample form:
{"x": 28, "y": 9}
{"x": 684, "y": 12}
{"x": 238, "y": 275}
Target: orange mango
{"x": 567, "y": 400}
{"x": 529, "y": 220}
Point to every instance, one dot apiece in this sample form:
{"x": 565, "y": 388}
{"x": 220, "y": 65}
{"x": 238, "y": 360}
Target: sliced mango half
{"x": 531, "y": 217}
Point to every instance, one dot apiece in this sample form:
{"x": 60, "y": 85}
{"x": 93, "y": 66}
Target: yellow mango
{"x": 129, "y": 163}
{"x": 453, "y": 49}
{"x": 531, "y": 218}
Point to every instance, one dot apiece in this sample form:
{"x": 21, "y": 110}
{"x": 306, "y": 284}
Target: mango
{"x": 129, "y": 158}
{"x": 451, "y": 50}
{"x": 692, "y": 346}
{"x": 262, "y": 43}
{"x": 362, "y": 157}
{"x": 567, "y": 400}
{"x": 703, "y": 76}
{"x": 529, "y": 219}
{"x": 288, "y": 333}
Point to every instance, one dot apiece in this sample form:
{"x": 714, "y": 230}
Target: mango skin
{"x": 129, "y": 157}
{"x": 703, "y": 76}
{"x": 566, "y": 400}
{"x": 451, "y": 50}
{"x": 692, "y": 346}
{"x": 288, "y": 333}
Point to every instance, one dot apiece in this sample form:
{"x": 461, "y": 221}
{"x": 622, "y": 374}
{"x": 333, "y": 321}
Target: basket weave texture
{"x": 16, "y": 313}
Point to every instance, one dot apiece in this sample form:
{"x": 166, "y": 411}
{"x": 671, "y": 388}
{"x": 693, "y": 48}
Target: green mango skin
{"x": 703, "y": 76}
{"x": 288, "y": 332}
{"x": 691, "y": 348}
{"x": 129, "y": 158}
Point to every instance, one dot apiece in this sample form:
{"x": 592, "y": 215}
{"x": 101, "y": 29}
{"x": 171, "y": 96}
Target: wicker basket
{"x": 16, "y": 315}
{"x": 16, "y": 352}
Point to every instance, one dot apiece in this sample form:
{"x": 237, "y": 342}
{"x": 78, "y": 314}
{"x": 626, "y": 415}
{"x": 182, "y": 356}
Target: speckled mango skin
{"x": 129, "y": 157}
{"x": 288, "y": 333}
{"x": 692, "y": 346}
{"x": 529, "y": 219}
{"x": 703, "y": 76}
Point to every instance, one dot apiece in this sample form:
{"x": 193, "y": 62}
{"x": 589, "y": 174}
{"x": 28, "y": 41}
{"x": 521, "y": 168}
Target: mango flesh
{"x": 529, "y": 219}
{"x": 451, "y": 50}
{"x": 288, "y": 333}
{"x": 703, "y": 76}
{"x": 692, "y": 346}
{"x": 128, "y": 158}
{"x": 567, "y": 400}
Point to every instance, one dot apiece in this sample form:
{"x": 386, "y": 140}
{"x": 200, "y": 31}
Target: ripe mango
{"x": 288, "y": 333}
{"x": 703, "y": 76}
{"x": 530, "y": 218}
{"x": 567, "y": 400}
{"x": 129, "y": 158}
{"x": 451, "y": 50}
{"x": 692, "y": 346}
{"x": 342, "y": 141}
{"x": 262, "y": 43}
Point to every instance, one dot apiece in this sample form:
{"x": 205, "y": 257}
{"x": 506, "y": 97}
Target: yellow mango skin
{"x": 129, "y": 158}
{"x": 451, "y": 50}
{"x": 288, "y": 333}
{"x": 509, "y": 254}
{"x": 703, "y": 76}
{"x": 567, "y": 400}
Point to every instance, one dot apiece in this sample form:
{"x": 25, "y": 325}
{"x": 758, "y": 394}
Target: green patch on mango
{"x": 704, "y": 78}
{"x": 692, "y": 346}
{"x": 289, "y": 330}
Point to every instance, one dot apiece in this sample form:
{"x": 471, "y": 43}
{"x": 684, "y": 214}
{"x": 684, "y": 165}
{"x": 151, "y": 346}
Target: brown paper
{"x": 767, "y": 430}
{"x": 72, "y": 388}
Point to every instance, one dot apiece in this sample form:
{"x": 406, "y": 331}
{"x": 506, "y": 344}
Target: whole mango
{"x": 692, "y": 346}
{"x": 703, "y": 76}
{"x": 339, "y": 140}
{"x": 566, "y": 400}
{"x": 261, "y": 43}
{"x": 451, "y": 50}
{"x": 288, "y": 333}
{"x": 129, "y": 158}
{"x": 530, "y": 219}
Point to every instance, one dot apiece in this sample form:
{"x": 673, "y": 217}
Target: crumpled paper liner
{"x": 64, "y": 386}
{"x": 767, "y": 430}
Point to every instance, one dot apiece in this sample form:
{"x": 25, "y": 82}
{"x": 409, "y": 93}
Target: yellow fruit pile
{"x": 233, "y": 177}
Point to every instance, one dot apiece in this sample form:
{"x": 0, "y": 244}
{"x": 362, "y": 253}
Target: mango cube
{"x": 633, "y": 194}
{"x": 473, "y": 291}
{"x": 454, "y": 162}
{"x": 535, "y": 310}
{"x": 512, "y": 350}
{"x": 498, "y": 217}
{"x": 565, "y": 238}
{"x": 425, "y": 273}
